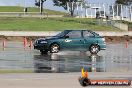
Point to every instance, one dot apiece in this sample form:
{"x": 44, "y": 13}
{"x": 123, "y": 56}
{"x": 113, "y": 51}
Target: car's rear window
{"x": 87, "y": 34}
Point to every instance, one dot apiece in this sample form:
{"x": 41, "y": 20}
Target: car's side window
{"x": 87, "y": 34}
{"x": 74, "y": 34}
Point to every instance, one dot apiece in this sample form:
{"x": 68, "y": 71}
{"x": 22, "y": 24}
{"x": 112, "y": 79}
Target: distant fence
{"x": 114, "y": 11}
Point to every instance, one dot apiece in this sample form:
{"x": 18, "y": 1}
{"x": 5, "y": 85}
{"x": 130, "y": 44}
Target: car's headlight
{"x": 43, "y": 42}
{"x": 35, "y": 42}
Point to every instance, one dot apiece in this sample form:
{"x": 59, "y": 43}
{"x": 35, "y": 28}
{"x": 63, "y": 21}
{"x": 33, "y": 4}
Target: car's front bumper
{"x": 41, "y": 47}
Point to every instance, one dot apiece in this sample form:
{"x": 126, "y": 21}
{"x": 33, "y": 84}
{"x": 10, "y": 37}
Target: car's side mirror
{"x": 66, "y": 36}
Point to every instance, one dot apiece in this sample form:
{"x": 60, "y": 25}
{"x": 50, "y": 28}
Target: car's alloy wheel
{"x": 54, "y": 48}
{"x": 94, "y": 49}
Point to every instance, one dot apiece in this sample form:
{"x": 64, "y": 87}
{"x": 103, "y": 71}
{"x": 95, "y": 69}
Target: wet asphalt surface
{"x": 116, "y": 58}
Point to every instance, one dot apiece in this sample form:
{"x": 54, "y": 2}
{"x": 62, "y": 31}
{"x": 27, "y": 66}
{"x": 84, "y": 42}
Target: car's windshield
{"x": 61, "y": 34}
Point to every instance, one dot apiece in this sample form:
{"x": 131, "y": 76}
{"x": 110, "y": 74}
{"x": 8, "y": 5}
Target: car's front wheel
{"x": 94, "y": 49}
{"x": 54, "y": 48}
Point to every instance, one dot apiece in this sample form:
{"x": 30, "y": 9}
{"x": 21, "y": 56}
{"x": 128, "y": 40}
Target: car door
{"x": 75, "y": 41}
{"x": 89, "y": 39}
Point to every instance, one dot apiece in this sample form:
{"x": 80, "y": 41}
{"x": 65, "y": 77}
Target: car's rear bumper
{"x": 103, "y": 46}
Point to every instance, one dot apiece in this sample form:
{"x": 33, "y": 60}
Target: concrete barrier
{"x": 121, "y": 26}
{"x": 111, "y": 33}
{"x": 52, "y": 33}
{"x": 28, "y": 33}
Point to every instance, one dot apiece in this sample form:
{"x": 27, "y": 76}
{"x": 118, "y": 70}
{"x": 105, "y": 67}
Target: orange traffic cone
{"x": 84, "y": 74}
{"x": 25, "y": 42}
{"x": 126, "y": 44}
{"x": 31, "y": 44}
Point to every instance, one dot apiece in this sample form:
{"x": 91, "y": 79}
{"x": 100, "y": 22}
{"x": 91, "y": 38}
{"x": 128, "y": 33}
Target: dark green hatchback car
{"x": 81, "y": 40}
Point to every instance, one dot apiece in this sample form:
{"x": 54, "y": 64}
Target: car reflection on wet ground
{"x": 65, "y": 63}
{"x": 116, "y": 58}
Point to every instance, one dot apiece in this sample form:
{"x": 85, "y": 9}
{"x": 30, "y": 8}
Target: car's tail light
{"x": 103, "y": 39}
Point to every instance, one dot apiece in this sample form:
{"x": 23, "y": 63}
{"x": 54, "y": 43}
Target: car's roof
{"x": 82, "y": 30}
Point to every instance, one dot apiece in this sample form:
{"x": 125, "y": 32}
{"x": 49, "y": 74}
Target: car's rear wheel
{"x": 54, "y": 48}
{"x": 94, "y": 49}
